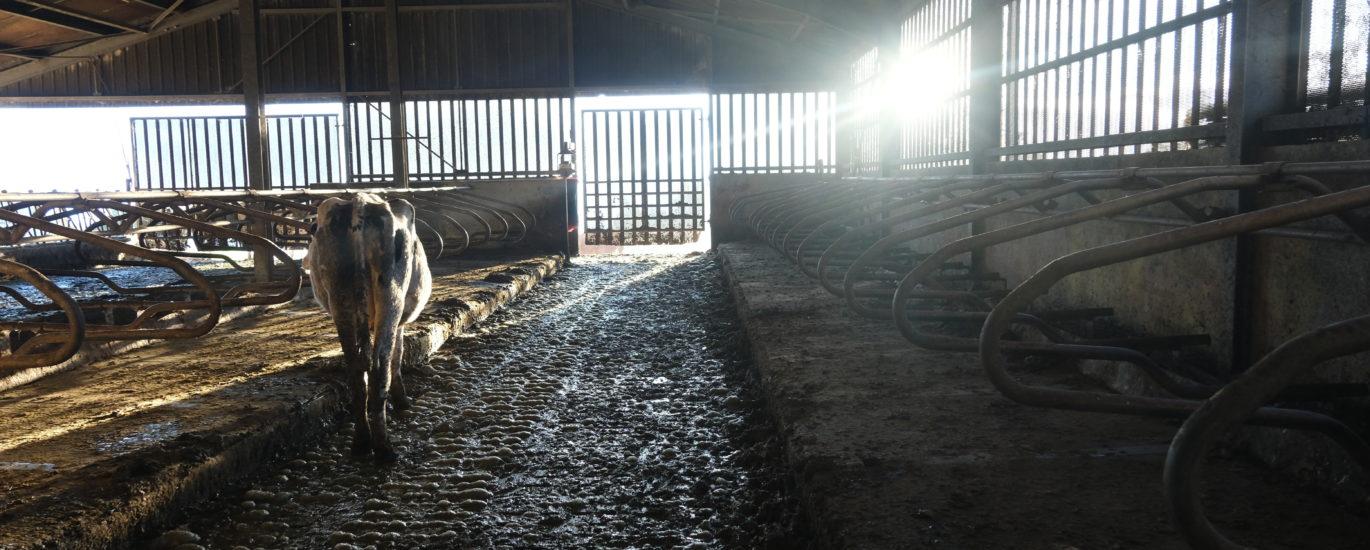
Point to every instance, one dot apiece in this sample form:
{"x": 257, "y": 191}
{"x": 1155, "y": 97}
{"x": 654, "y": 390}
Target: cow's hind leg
{"x": 379, "y": 387}
{"x": 399, "y": 395}
{"x": 356, "y": 353}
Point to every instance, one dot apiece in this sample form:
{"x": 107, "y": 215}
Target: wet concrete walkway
{"x": 606, "y": 409}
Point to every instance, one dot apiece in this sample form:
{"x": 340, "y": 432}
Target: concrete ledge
{"x": 93, "y": 455}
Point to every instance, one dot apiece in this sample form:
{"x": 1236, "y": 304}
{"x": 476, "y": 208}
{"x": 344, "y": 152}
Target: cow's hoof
{"x": 386, "y": 456}
{"x": 401, "y": 403}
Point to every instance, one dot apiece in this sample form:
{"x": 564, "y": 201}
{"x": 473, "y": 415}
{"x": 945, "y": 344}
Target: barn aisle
{"x": 607, "y": 408}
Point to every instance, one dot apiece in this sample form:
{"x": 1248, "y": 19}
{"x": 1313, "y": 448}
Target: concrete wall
{"x": 546, "y": 199}
{"x": 725, "y": 189}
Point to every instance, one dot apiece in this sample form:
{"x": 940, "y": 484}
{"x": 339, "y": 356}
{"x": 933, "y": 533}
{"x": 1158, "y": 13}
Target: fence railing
{"x": 774, "y": 133}
{"x": 207, "y": 152}
{"x": 1102, "y": 78}
{"x": 1085, "y": 79}
{"x": 463, "y": 138}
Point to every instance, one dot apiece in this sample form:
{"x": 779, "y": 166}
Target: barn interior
{"x": 1058, "y": 274}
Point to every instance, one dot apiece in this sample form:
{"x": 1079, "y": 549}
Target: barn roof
{"x": 72, "y": 48}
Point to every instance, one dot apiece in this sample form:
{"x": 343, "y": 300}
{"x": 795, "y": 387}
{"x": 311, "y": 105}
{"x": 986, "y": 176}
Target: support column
{"x": 986, "y": 70}
{"x": 345, "y": 134}
{"x": 257, "y": 147}
{"x": 568, "y": 19}
{"x": 1264, "y": 77}
{"x": 890, "y": 123}
{"x": 399, "y": 142}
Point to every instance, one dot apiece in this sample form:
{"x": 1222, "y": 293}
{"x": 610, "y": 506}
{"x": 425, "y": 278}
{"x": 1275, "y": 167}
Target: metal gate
{"x": 644, "y": 176}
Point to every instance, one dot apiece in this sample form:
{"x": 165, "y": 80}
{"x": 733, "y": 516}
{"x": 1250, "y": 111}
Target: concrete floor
{"x": 893, "y": 446}
{"x": 90, "y": 455}
{"x": 608, "y": 408}
{"x": 887, "y": 445}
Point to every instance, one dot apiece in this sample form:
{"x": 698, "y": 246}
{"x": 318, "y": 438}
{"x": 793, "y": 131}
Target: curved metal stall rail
{"x": 873, "y": 236}
{"x": 201, "y": 238}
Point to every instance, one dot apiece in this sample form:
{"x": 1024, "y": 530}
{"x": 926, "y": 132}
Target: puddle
{"x": 27, "y": 467}
{"x": 148, "y": 434}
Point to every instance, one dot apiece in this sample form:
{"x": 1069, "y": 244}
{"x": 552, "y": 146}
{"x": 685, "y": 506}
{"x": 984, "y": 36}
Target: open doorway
{"x": 644, "y": 172}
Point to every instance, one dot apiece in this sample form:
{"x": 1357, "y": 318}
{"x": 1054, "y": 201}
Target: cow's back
{"x": 334, "y": 260}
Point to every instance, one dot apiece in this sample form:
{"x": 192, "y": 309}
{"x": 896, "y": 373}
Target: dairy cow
{"x": 370, "y": 274}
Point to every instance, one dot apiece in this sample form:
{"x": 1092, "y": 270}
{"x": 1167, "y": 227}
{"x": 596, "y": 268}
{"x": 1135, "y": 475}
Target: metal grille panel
{"x": 1336, "y": 59}
{"x": 644, "y": 173}
{"x": 207, "y": 152}
{"x": 864, "y": 120}
{"x": 932, "y": 86}
{"x": 774, "y": 133}
{"x": 1086, "y": 78}
{"x": 463, "y": 138}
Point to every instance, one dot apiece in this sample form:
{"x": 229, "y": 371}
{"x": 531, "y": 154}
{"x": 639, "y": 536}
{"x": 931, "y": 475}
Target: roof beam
{"x": 62, "y": 17}
{"x": 158, "y": 4}
{"x": 17, "y": 52}
{"x": 101, "y": 46}
{"x": 662, "y": 15}
{"x": 808, "y": 16}
{"x": 715, "y": 18}
{"x": 165, "y": 13}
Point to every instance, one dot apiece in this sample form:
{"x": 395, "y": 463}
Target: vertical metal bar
{"x": 1156, "y": 71}
{"x": 340, "y": 27}
{"x": 254, "y": 99}
{"x": 503, "y": 107}
{"x": 489, "y": 137}
{"x": 698, "y": 176}
{"x": 641, "y": 188}
{"x": 147, "y": 157}
{"x": 1196, "y": 93}
{"x": 524, "y": 147}
{"x": 1140, "y": 98}
{"x": 1261, "y": 45}
{"x": 296, "y": 152}
{"x": 1305, "y": 23}
{"x": 1220, "y": 83}
{"x": 1069, "y": 25}
{"x": 1175, "y": 121}
{"x": 237, "y": 168}
{"x": 986, "y": 66}
{"x": 135, "y": 177}
{"x": 1337, "y": 60}
{"x": 399, "y": 145}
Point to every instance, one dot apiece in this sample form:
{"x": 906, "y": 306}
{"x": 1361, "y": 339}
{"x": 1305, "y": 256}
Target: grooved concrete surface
{"x": 893, "y": 446}
{"x": 89, "y": 456}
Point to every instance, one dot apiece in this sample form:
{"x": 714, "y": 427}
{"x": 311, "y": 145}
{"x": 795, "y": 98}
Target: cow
{"x": 370, "y": 274}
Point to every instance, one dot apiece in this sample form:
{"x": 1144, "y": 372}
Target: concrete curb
{"x": 809, "y": 507}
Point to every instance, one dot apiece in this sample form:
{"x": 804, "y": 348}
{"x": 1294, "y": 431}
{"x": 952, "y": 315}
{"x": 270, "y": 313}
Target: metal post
{"x": 1264, "y": 61}
{"x": 257, "y": 151}
{"x": 986, "y": 68}
{"x": 890, "y": 123}
{"x": 346, "y": 135}
{"x": 569, "y": 22}
{"x": 399, "y": 144}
